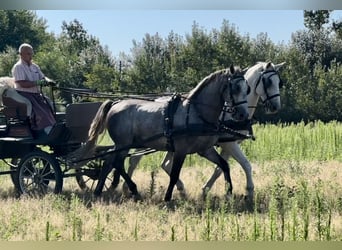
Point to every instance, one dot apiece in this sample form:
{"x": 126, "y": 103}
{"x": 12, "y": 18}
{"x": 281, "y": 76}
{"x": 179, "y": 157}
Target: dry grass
{"x": 294, "y": 201}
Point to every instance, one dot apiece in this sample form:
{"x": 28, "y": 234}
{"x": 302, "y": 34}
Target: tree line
{"x": 312, "y": 75}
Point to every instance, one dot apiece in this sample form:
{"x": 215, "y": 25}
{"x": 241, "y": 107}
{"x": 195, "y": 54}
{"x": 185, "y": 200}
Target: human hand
{"x": 50, "y": 81}
{"x": 41, "y": 83}
{"x": 46, "y": 82}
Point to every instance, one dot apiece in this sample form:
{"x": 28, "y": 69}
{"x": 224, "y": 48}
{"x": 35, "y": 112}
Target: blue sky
{"x": 118, "y": 28}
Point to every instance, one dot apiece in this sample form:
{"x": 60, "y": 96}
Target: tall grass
{"x": 298, "y": 197}
{"x": 313, "y": 141}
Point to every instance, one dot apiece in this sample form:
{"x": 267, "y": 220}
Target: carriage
{"x": 38, "y": 165}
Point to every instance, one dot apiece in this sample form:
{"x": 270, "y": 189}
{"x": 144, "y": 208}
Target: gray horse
{"x": 265, "y": 83}
{"x": 184, "y": 125}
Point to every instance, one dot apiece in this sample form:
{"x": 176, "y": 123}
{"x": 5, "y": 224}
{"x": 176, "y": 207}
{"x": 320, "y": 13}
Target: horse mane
{"x": 208, "y": 79}
{"x": 264, "y": 66}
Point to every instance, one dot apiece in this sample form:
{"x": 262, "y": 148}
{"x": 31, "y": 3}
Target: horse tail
{"x": 96, "y": 128}
{"x": 98, "y": 125}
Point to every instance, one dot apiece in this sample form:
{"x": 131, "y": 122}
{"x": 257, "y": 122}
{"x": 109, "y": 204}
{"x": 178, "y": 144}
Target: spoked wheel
{"x": 39, "y": 174}
{"x": 87, "y": 176}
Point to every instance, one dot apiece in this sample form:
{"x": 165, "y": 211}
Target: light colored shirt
{"x": 21, "y": 71}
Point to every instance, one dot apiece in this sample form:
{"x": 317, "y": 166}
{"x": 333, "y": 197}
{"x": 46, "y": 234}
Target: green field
{"x": 298, "y": 197}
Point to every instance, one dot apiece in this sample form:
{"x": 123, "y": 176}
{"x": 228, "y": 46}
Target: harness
{"x": 205, "y": 128}
{"x": 170, "y": 110}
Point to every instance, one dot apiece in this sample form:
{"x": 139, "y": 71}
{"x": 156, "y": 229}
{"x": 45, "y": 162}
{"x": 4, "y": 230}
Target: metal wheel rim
{"x": 37, "y": 176}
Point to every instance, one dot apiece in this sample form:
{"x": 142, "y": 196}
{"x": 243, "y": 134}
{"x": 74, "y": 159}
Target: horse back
{"x": 133, "y": 121}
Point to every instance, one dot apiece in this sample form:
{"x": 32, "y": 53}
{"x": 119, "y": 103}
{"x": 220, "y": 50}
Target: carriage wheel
{"x": 87, "y": 177}
{"x": 38, "y": 174}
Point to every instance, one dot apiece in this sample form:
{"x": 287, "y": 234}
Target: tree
{"x": 149, "y": 73}
{"x": 103, "y": 79}
{"x": 337, "y": 28}
{"x": 79, "y": 53}
{"x": 198, "y": 55}
{"x": 19, "y": 26}
{"x": 232, "y": 48}
{"x": 7, "y": 59}
{"x": 315, "y": 19}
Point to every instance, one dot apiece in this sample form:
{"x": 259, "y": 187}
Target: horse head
{"x": 268, "y": 87}
{"x": 236, "y": 94}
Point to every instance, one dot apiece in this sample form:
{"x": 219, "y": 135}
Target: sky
{"x": 118, "y": 28}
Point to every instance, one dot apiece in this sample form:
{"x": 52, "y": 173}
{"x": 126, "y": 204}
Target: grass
{"x": 298, "y": 197}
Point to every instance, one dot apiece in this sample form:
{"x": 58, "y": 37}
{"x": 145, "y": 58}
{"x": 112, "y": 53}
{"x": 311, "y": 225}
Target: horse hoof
{"x": 205, "y": 192}
{"x": 137, "y": 197}
{"x": 183, "y": 194}
{"x": 126, "y": 191}
{"x": 229, "y": 196}
{"x": 97, "y": 194}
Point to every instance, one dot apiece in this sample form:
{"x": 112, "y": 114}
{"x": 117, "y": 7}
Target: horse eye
{"x": 248, "y": 89}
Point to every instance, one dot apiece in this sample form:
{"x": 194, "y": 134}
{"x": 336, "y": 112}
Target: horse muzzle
{"x": 240, "y": 113}
{"x": 272, "y": 106}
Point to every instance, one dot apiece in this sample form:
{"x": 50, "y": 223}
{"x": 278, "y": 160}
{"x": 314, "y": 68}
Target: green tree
{"x": 232, "y": 48}
{"x": 315, "y": 19}
{"x": 81, "y": 52}
{"x": 149, "y": 73}
{"x": 198, "y": 55}
{"x": 103, "y": 78}
{"x": 19, "y": 26}
{"x": 7, "y": 59}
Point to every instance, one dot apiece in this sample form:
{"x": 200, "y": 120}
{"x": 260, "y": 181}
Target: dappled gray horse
{"x": 264, "y": 82}
{"x": 191, "y": 125}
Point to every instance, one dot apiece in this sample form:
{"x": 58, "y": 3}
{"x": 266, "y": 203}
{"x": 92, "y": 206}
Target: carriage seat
{"x": 15, "y": 106}
{"x": 16, "y": 110}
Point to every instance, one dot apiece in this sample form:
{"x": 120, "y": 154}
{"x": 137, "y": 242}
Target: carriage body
{"x": 37, "y": 165}
{"x": 71, "y": 128}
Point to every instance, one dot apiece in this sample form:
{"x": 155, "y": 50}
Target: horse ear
{"x": 279, "y": 66}
{"x": 268, "y": 65}
{"x": 232, "y": 69}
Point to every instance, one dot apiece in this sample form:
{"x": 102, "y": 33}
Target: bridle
{"x": 230, "y": 108}
{"x": 267, "y": 83}
{"x": 227, "y": 108}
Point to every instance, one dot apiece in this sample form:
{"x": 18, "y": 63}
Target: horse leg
{"x": 116, "y": 179}
{"x": 106, "y": 168}
{"x": 166, "y": 166}
{"x": 218, "y": 171}
{"x": 177, "y": 163}
{"x": 133, "y": 163}
{"x": 240, "y": 157}
{"x": 212, "y": 155}
{"x": 128, "y": 180}
{"x": 120, "y": 171}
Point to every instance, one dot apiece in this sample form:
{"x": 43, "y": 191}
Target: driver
{"x": 27, "y": 76}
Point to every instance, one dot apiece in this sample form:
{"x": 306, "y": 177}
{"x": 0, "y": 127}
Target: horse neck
{"x": 253, "y": 76}
{"x": 252, "y": 100}
{"x": 208, "y": 103}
